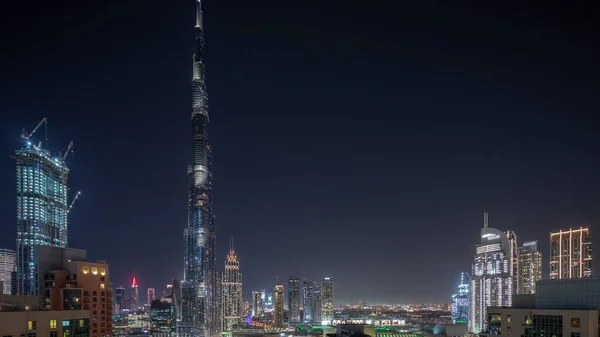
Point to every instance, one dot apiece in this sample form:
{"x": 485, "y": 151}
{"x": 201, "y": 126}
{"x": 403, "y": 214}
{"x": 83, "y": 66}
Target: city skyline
{"x": 506, "y": 134}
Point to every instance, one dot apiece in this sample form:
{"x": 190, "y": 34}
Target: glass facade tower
{"x": 41, "y": 211}
{"x": 530, "y": 267}
{"x": 201, "y": 314}
{"x": 294, "y": 300}
{"x": 7, "y": 267}
{"x": 327, "y": 300}
{"x": 460, "y": 301}
{"x": 491, "y": 282}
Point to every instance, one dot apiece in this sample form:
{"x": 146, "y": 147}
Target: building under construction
{"x": 42, "y": 207}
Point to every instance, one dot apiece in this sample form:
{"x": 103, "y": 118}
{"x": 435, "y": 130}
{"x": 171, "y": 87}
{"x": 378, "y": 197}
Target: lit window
{"x": 508, "y": 318}
{"x": 31, "y": 325}
{"x": 101, "y": 285}
{"x": 576, "y": 322}
{"x": 86, "y": 270}
{"x": 102, "y": 271}
{"x": 81, "y": 323}
{"x": 94, "y": 270}
{"x": 52, "y": 324}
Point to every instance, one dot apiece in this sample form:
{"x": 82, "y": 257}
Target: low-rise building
{"x": 24, "y": 316}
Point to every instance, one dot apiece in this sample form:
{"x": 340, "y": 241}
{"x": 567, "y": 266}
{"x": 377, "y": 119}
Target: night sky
{"x": 357, "y": 140}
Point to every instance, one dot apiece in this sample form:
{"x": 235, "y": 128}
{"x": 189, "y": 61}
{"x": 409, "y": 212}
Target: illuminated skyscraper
{"x": 491, "y": 281}
{"x": 135, "y": 296}
{"x": 327, "y": 300}
{"x": 571, "y": 254}
{"x": 119, "y": 300}
{"x": 257, "y": 304}
{"x": 150, "y": 295}
{"x": 514, "y": 260}
{"x": 460, "y": 301}
{"x": 310, "y": 298}
{"x": 278, "y": 312}
{"x": 42, "y": 208}
{"x": 294, "y": 300}
{"x": 232, "y": 291}
{"x": 530, "y": 267}
{"x": 7, "y": 267}
{"x": 200, "y": 290}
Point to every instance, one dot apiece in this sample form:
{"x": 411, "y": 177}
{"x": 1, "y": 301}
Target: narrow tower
{"x": 200, "y": 315}
{"x": 134, "y": 293}
{"x": 232, "y": 291}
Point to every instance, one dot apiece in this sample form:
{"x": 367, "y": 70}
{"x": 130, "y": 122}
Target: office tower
{"x": 460, "y": 301}
{"x": 7, "y": 268}
{"x": 150, "y": 295}
{"x": 163, "y": 317}
{"x": 232, "y": 291}
{"x": 327, "y": 300}
{"x": 135, "y": 296}
{"x": 294, "y": 300}
{"x": 68, "y": 281}
{"x": 530, "y": 267}
{"x": 257, "y": 304}
{"x": 491, "y": 282}
{"x": 278, "y": 313}
{"x": 42, "y": 208}
{"x": 200, "y": 287}
{"x": 119, "y": 299}
{"x": 310, "y": 298}
{"x": 571, "y": 254}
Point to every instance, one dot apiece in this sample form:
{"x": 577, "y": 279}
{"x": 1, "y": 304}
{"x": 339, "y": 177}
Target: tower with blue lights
{"x": 460, "y": 301}
{"x": 200, "y": 316}
{"x": 42, "y": 208}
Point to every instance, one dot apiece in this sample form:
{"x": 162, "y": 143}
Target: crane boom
{"x": 72, "y": 202}
{"x": 69, "y": 148}
{"x": 28, "y": 136}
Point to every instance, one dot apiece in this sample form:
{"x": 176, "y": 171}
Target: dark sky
{"x": 358, "y": 140}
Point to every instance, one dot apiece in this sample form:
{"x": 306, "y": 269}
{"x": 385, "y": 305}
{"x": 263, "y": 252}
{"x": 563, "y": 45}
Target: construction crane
{"x": 72, "y": 202}
{"x": 27, "y": 136}
{"x": 69, "y": 148}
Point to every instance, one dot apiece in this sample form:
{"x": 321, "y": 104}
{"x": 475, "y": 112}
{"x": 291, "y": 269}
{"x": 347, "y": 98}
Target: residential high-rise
{"x": 42, "y": 208}
{"x": 530, "y": 267}
{"x": 491, "y": 281}
{"x": 200, "y": 289}
{"x": 514, "y": 260}
{"x": 135, "y": 295}
{"x": 150, "y": 295}
{"x": 257, "y": 304}
{"x": 232, "y": 291}
{"x": 70, "y": 282}
{"x": 7, "y": 268}
{"x": 571, "y": 254}
{"x": 294, "y": 300}
{"x": 327, "y": 300}
{"x": 460, "y": 301}
{"x": 278, "y": 312}
{"x": 309, "y": 301}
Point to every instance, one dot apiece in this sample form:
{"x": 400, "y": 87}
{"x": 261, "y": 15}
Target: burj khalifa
{"x": 200, "y": 314}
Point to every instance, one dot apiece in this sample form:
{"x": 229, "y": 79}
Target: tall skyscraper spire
{"x": 200, "y": 292}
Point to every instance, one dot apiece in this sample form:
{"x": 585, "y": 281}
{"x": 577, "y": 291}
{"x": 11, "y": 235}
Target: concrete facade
{"x": 555, "y": 323}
